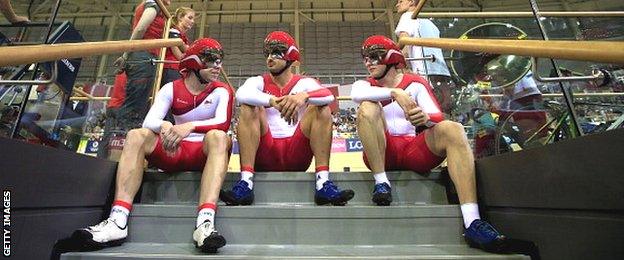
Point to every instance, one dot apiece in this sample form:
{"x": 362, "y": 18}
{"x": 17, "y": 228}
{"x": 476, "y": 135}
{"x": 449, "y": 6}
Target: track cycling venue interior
{"x": 536, "y": 88}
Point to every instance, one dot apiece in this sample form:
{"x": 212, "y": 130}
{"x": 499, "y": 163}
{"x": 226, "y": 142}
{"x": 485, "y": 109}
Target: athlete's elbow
{"x": 356, "y": 98}
{"x": 152, "y": 127}
{"x": 242, "y": 97}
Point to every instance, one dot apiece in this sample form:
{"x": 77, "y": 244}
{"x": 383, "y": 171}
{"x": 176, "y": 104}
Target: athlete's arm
{"x": 223, "y": 115}
{"x": 177, "y": 51}
{"x": 316, "y": 94}
{"x": 363, "y": 91}
{"x": 427, "y": 110}
{"x": 158, "y": 111}
{"x": 405, "y": 28}
{"x": 149, "y": 14}
{"x": 250, "y": 93}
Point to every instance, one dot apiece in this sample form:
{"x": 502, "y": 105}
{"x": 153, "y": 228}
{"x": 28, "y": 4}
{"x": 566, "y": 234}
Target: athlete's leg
{"x": 370, "y": 127}
{"x": 252, "y": 124}
{"x": 316, "y": 125}
{"x": 139, "y": 143}
{"x": 448, "y": 139}
{"x": 113, "y": 230}
{"x": 216, "y": 147}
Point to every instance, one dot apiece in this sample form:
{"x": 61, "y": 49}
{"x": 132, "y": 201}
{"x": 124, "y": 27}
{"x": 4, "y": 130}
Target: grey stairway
{"x": 284, "y": 223}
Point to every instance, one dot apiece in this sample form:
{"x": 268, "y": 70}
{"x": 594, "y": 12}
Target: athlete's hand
{"x": 404, "y": 100}
{"x": 174, "y": 136}
{"x": 164, "y": 130}
{"x": 273, "y": 102}
{"x": 290, "y": 105}
{"x": 18, "y": 19}
{"x": 417, "y": 116}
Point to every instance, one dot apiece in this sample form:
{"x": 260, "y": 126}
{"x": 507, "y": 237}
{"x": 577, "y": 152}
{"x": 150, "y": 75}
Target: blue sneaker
{"x": 481, "y": 234}
{"x": 330, "y": 193}
{"x": 382, "y": 194}
{"x": 240, "y": 194}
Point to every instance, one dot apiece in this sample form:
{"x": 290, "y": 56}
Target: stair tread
{"x": 294, "y": 176}
{"x": 187, "y": 251}
{"x": 302, "y": 210}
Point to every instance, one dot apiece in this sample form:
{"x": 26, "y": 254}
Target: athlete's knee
{"x": 323, "y": 113}
{"x": 369, "y": 111}
{"x": 137, "y": 137}
{"x": 450, "y": 131}
{"x": 248, "y": 112}
{"x": 216, "y": 139}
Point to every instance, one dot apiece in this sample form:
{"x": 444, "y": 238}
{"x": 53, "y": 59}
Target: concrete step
{"x": 296, "y": 187}
{"x": 187, "y": 251}
{"x": 307, "y": 224}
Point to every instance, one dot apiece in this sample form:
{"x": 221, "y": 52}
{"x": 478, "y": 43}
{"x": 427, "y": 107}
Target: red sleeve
{"x": 320, "y": 93}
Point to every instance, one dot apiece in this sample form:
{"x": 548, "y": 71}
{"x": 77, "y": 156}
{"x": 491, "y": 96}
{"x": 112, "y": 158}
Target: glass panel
{"x": 599, "y": 104}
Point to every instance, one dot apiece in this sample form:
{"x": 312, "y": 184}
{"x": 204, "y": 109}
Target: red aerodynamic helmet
{"x": 281, "y": 42}
{"x": 383, "y": 48}
{"x": 201, "y": 54}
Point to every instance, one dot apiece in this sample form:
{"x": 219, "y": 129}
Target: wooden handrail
{"x": 519, "y": 14}
{"x": 163, "y": 8}
{"x": 596, "y": 51}
{"x": 12, "y": 56}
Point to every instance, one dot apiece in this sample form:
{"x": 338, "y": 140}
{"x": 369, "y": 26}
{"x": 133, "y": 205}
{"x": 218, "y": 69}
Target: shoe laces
{"x": 101, "y": 225}
{"x": 207, "y": 227}
{"x": 381, "y": 188}
{"x": 330, "y": 188}
{"x": 240, "y": 186}
{"x": 486, "y": 229}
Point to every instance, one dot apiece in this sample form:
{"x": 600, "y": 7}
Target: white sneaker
{"x": 106, "y": 233}
{"x": 207, "y": 239}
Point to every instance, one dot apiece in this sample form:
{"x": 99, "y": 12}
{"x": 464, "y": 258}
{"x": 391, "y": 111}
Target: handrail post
{"x": 161, "y": 56}
{"x": 20, "y": 113}
{"x": 565, "y": 89}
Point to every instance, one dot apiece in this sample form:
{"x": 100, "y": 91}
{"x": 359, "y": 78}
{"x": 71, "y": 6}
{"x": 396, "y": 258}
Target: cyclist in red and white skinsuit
{"x": 202, "y": 109}
{"x": 413, "y": 134}
{"x": 284, "y": 120}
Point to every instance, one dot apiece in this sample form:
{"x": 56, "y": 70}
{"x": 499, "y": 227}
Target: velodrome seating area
{"x": 328, "y": 48}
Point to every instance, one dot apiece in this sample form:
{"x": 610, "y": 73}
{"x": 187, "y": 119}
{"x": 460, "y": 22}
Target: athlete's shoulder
{"x": 307, "y": 80}
{"x": 371, "y": 81}
{"x": 177, "y": 84}
{"x": 167, "y": 90}
{"x": 222, "y": 85}
{"x": 361, "y": 83}
{"x": 150, "y": 3}
{"x": 406, "y": 15}
{"x": 260, "y": 79}
{"x": 410, "y": 78}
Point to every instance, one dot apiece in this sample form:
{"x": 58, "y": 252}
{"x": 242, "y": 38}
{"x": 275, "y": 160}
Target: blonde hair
{"x": 179, "y": 13}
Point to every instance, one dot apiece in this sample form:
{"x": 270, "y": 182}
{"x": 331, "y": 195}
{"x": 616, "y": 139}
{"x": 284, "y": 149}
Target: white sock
{"x": 247, "y": 176}
{"x": 470, "y": 212}
{"x": 381, "y": 178}
{"x": 321, "y": 178}
{"x": 203, "y": 215}
{"x": 120, "y": 215}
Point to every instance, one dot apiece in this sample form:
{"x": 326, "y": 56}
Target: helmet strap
{"x": 288, "y": 64}
{"x": 199, "y": 77}
{"x": 388, "y": 67}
